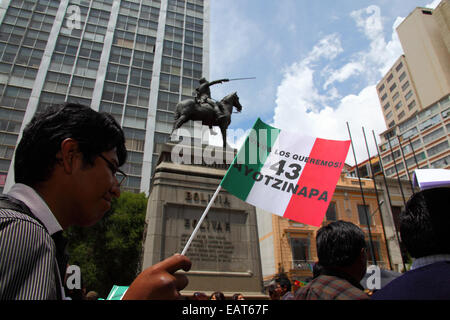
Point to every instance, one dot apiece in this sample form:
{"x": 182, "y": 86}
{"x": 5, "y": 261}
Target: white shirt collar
{"x": 37, "y": 206}
{"x": 424, "y": 261}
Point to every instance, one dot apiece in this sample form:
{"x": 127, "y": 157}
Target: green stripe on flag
{"x": 239, "y": 178}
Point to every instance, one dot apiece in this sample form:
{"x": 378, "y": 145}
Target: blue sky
{"x": 316, "y": 63}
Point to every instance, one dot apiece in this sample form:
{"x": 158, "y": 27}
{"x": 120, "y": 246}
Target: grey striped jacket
{"x": 28, "y": 268}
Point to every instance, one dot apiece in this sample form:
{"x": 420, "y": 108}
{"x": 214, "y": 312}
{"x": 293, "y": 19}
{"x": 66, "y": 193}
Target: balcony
{"x": 303, "y": 265}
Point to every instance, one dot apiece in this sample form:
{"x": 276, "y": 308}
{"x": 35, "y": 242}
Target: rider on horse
{"x": 203, "y": 95}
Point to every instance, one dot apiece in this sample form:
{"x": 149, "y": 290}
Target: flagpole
{"x": 372, "y": 253}
{"x": 389, "y": 198}
{"x": 188, "y": 243}
{"x": 378, "y": 199}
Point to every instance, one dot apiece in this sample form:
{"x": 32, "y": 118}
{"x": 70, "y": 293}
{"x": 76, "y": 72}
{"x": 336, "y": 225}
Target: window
{"x": 433, "y": 135}
{"x": 82, "y": 87}
{"x": 389, "y": 115}
{"x": 402, "y": 76}
{"x": 87, "y": 68}
{"x": 408, "y": 95}
{"x": 57, "y": 82}
{"x": 114, "y": 92}
{"x": 400, "y": 65}
{"x": 300, "y": 249}
{"x": 121, "y": 55}
{"x": 140, "y": 77}
{"x": 407, "y": 124}
{"x": 143, "y": 60}
{"x": 376, "y": 251}
{"x": 23, "y": 76}
{"x": 16, "y": 97}
{"x": 398, "y": 105}
{"x": 30, "y": 57}
{"x": 126, "y": 23}
{"x": 428, "y": 112}
{"x": 412, "y": 105}
{"x": 391, "y": 88}
{"x": 62, "y": 63}
{"x": 395, "y": 97}
{"x": 134, "y": 139}
{"x": 114, "y": 109}
{"x": 91, "y": 50}
{"x": 438, "y": 148}
{"x": 410, "y": 132}
{"x": 430, "y": 122}
{"x": 441, "y": 163}
{"x": 138, "y": 96}
{"x": 381, "y": 88}
{"x": 331, "y": 212}
{"x": 401, "y": 115}
{"x": 405, "y": 85}
{"x": 390, "y": 77}
{"x": 117, "y": 73}
{"x": 386, "y": 106}
{"x": 364, "y": 215}
{"x": 384, "y": 97}
{"x": 174, "y": 49}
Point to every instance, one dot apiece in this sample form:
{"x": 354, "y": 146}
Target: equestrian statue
{"x": 203, "y": 108}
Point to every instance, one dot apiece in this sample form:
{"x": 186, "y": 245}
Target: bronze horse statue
{"x": 189, "y": 109}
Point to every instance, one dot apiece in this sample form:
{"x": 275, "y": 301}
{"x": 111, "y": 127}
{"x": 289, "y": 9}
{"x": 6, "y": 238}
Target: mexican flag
{"x": 291, "y": 175}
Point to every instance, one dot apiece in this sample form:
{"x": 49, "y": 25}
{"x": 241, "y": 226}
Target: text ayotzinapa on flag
{"x": 288, "y": 174}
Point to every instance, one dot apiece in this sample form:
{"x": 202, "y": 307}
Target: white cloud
{"x": 433, "y": 4}
{"x": 348, "y": 70}
{"x": 328, "y": 48}
{"x": 303, "y": 108}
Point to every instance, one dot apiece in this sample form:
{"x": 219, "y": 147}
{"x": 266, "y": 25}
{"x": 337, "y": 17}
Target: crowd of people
{"x": 65, "y": 172}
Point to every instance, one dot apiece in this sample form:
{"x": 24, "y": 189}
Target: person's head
{"x": 341, "y": 245}
{"x": 72, "y": 146}
{"x": 425, "y": 222}
{"x": 200, "y": 296}
{"x": 91, "y": 295}
{"x": 217, "y": 296}
{"x": 238, "y": 296}
{"x": 202, "y": 80}
{"x": 283, "y": 286}
{"x": 273, "y": 292}
{"x": 316, "y": 270}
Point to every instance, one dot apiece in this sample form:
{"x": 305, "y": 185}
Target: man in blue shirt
{"x": 424, "y": 229}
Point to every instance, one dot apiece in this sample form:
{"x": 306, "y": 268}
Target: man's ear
{"x": 68, "y": 153}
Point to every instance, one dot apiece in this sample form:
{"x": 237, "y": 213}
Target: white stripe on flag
{"x": 262, "y": 195}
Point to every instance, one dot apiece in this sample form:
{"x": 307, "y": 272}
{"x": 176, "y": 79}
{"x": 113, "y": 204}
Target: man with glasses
{"x": 67, "y": 173}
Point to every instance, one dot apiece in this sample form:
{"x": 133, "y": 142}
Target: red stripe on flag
{"x": 317, "y": 178}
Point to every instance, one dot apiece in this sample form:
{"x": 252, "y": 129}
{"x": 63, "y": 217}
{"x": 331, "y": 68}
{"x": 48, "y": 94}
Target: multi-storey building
{"x": 290, "y": 247}
{"x": 134, "y": 59}
{"x": 415, "y": 95}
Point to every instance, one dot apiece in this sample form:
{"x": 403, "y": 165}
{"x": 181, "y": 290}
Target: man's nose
{"x": 115, "y": 189}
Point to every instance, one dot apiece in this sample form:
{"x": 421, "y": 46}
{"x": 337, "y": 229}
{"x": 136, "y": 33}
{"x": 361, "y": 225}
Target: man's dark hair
{"x": 425, "y": 223}
{"x": 285, "y": 283}
{"x": 95, "y": 133}
{"x": 339, "y": 244}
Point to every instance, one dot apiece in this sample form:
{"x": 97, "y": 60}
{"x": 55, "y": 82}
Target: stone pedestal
{"x": 225, "y": 252}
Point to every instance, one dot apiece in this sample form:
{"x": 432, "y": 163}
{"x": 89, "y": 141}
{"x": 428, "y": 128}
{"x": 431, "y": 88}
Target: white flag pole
{"x": 186, "y": 247}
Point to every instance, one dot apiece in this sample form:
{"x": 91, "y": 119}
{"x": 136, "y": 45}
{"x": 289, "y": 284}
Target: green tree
{"x": 108, "y": 253}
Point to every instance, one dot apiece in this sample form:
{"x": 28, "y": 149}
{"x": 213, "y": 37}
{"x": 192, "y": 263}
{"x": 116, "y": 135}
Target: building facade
{"x": 415, "y": 96}
{"x": 134, "y": 59}
{"x": 288, "y": 246}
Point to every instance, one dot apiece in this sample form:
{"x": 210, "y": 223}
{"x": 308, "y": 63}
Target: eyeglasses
{"x": 119, "y": 174}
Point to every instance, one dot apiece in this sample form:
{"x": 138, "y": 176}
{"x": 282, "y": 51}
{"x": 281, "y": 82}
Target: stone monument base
{"x": 225, "y": 252}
